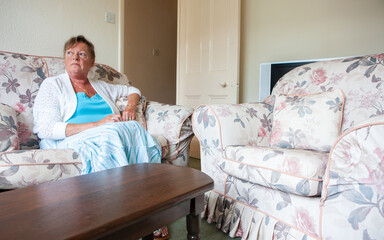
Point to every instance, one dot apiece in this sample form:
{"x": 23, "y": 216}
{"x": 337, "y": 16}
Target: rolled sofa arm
{"x": 174, "y": 123}
{"x": 220, "y": 125}
{"x": 353, "y": 191}
{"x": 23, "y": 168}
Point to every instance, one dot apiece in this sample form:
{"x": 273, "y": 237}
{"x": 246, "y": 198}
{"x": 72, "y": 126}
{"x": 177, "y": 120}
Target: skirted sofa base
{"x": 248, "y": 222}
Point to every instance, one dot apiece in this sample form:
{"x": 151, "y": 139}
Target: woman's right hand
{"x": 109, "y": 119}
{"x": 75, "y": 128}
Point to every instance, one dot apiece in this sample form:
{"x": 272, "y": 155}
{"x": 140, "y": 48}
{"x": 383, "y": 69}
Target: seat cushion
{"x": 289, "y": 170}
{"x": 25, "y": 168}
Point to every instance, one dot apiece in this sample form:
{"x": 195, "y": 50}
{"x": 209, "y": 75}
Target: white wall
{"x": 281, "y": 30}
{"x": 41, "y": 27}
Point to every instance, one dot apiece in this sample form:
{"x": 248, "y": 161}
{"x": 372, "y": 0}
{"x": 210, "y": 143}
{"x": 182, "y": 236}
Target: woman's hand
{"x": 109, "y": 119}
{"x": 74, "y": 128}
{"x": 129, "y": 113}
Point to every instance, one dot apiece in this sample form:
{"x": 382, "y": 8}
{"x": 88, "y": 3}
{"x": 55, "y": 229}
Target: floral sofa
{"x": 307, "y": 163}
{"x": 22, "y": 163}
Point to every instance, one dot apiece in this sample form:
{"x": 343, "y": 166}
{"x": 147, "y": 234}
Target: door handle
{"x": 223, "y": 84}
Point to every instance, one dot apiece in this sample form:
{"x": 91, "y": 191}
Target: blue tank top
{"x": 89, "y": 109}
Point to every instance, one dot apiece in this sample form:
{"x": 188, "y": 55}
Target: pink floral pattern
{"x": 318, "y": 76}
{"x": 289, "y": 170}
{"x": 307, "y": 121}
{"x": 275, "y": 193}
{"x": 304, "y": 221}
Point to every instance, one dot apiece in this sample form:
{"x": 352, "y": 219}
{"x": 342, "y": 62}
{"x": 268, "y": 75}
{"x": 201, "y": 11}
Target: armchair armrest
{"x": 353, "y": 191}
{"x": 174, "y": 123}
{"x": 241, "y": 124}
{"x": 30, "y": 167}
{"x": 220, "y": 125}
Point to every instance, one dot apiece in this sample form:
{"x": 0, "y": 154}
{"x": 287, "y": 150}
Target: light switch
{"x": 109, "y": 17}
{"x": 155, "y": 52}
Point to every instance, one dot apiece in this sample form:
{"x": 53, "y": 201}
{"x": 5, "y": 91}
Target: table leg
{"x": 148, "y": 237}
{"x": 193, "y": 218}
{"x": 193, "y": 227}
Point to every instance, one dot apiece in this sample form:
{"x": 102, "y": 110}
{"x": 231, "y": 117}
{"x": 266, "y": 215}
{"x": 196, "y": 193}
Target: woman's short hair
{"x": 74, "y": 40}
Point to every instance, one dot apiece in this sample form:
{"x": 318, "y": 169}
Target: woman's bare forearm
{"x": 133, "y": 99}
{"x": 74, "y": 128}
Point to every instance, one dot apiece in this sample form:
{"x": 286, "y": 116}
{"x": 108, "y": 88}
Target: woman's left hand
{"x": 129, "y": 113}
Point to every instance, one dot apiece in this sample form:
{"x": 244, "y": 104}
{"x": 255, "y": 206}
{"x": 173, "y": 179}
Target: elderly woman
{"x": 75, "y": 111}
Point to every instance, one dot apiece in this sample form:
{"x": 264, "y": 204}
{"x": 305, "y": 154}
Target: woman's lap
{"x": 111, "y": 145}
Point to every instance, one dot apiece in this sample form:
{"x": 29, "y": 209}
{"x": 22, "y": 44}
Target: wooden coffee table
{"x": 122, "y": 203}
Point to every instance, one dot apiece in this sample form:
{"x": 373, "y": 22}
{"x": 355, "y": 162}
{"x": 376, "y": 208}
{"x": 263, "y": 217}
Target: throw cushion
{"x": 307, "y": 121}
{"x": 140, "y": 109}
{"x": 9, "y": 139}
{"x": 108, "y": 74}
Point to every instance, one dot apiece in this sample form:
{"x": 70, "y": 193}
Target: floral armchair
{"x": 307, "y": 163}
{"x": 22, "y": 163}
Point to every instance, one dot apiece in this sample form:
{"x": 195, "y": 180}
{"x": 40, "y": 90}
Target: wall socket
{"x": 109, "y": 17}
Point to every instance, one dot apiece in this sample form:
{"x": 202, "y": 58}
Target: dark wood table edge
{"x": 191, "y": 209}
{"x": 189, "y": 205}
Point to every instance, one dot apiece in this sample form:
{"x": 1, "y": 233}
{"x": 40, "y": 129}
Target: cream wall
{"x": 40, "y": 27}
{"x": 151, "y": 24}
{"x": 275, "y": 30}
{"x": 281, "y": 30}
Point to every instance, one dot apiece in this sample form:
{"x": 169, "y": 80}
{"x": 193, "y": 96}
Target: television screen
{"x": 279, "y": 69}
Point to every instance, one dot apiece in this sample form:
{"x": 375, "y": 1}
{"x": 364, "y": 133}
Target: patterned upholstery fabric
{"x": 9, "y": 140}
{"x": 20, "y": 79}
{"x": 30, "y": 167}
{"x": 161, "y": 120}
{"x": 289, "y": 170}
{"x": 307, "y": 121}
{"x": 264, "y": 192}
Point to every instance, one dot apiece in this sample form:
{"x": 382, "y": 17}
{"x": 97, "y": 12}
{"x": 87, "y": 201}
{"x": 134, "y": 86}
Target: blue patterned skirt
{"x": 110, "y": 145}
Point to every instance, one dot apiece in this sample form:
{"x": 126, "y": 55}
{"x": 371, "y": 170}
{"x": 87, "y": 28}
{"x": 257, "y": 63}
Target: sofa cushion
{"x": 9, "y": 139}
{"x": 289, "y": 170}
{"x": 56, "y": 66}
{"x": 307, "y": 121}
{"x": 108, "y": 74}
{"x": 24, "y": 168}
{"x": 20, "y": 78}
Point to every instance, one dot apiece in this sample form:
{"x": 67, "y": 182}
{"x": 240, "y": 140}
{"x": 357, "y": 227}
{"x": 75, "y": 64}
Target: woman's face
{"x": 78, "y": 60}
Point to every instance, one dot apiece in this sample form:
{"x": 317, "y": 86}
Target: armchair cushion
{"x": 9, "y": 139}
{"x": 288, "y": 170}
{"x": 307, "y": 121}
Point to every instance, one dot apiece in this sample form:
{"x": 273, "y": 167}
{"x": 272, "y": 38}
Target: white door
{"x": 208, "y": 52}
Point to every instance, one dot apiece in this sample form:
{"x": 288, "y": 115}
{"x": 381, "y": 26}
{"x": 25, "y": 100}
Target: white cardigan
{"x": 56, "y": 102}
